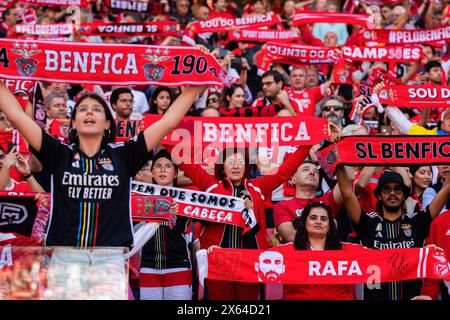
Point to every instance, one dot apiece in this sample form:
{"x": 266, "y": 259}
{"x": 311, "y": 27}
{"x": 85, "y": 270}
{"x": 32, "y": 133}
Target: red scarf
{"x": 59, "y": 128}
{"x": 399, "y": 37}
{"x": 249, "y": 132}
{"x": 126, "y": 129}
{"x": 62, "y": 3}
{"x": 12, "y": 137}
{"x": 107, "y": 64}
{"x": 298, "y": 53}
{"x": 424, "y": 96}
{"x": 19, "y": 85}
{"x": 256, "y": 35}
{"x": 332, "y": 17}
{"x": 264, "y": 111}
{"x": 61, "y": 29}
{"x": 284, "y": 264}
{"x": 224, "y": 25}
{"x": 151, "y": 208}
{"x": 159, "y": 28}
{"x": 128, "y": 5}
{"x": 394, "y": 54}
{"x": 385, "y": 151}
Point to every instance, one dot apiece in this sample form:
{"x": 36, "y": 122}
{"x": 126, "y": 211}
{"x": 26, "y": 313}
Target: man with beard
{"x": 390, "y": 227}
{"x": 333, "y": 110}
{"x": 274, "y": 93}
{"x": 122, "y": 103}
{"x": 270, "y": 266}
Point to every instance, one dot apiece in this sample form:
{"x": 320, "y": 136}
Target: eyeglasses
{"x": 239, "y": 162}
{"x": 210, "y": 100}
{"x": 94, "y": 109}
{"x": 387, "y": 190}
{"x": 335, "y": 108}
{"x": 167, "y": 167}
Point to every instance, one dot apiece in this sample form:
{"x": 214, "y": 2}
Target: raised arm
{"x": 154, "y": 134}
{"x": 19, "y": 119}
{"x": 440, "y": 199}
{"x": 350, "y": 200}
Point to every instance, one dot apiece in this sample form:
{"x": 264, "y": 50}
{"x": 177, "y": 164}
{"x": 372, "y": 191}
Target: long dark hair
{"x": 153, "y": 107}
{"x": 219, "y": 171}
{"x": 227, "y": 92}
{"x": 109, "y": 135}
{"x": 301, "y": 242}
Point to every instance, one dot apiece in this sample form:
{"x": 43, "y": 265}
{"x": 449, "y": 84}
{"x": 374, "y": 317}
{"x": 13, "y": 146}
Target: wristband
{"x": 28, "y": 176}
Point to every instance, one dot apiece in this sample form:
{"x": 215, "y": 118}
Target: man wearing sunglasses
{"x": 390, "y": 226}
{"x": 333, "y": 110}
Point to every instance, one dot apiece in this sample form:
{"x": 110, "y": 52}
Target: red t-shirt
{"x": 306, "y": 99}
{"x": 19, "y": 187}
{"x": 440, "y": 236}
{"x": 322, "y": 291}
{"x": 287, "y": 211}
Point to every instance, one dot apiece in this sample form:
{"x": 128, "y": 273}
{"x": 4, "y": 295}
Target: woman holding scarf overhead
{"x": 232, "y": 177}
{"x": 91, "y": 182}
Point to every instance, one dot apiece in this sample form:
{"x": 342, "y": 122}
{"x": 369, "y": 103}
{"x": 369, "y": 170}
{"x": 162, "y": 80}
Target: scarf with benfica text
{"x": 257, "y": 35}
{"x": 94, "y": 63}
{"x": 61, "y": 3}
{"x": 405, "y": 36}
{"x": 283, "y": 264}
{"x": 220, "y": 24}
{"x": 158, "y": 28}
{"x": 384, "y": 151}
{"x": 244, "y": 133}
{"x": 425, "y": 96}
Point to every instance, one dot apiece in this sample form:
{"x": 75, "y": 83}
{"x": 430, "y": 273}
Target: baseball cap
{"x": 391, "y": 176}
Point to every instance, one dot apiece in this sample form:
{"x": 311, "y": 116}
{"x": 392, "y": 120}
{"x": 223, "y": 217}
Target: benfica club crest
{"x": 154, "y": 70}
{"x": 26, "y": 65}
{"x": 64, "y": 130}
{"x": 332, "y": 156}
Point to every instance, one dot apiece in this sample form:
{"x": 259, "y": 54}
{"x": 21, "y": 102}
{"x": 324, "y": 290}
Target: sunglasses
{"x": 212, "y": 100}
{"x": 387, "y": 190}
{"x": 335, "y": 108}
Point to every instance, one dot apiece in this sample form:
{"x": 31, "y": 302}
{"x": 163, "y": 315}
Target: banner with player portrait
{"x": 286, "y": 265}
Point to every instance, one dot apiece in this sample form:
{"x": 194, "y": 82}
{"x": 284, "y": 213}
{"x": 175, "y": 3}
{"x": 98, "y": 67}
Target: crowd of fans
{"x": 361, "y": 202}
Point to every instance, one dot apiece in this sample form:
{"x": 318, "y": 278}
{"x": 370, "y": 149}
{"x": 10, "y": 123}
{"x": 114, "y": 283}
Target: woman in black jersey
{"x": 91, "y": 176}
{"x": 90, "y": 186}
{"x": 166, "y": 272}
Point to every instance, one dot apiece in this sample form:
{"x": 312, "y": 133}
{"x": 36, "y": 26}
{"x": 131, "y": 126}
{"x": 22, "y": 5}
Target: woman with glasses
{"x": 232, "y": 177}
{"x": 212, "y": 101}
{"x": 166, "y": 271}
{"x": 91, "y": 183}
